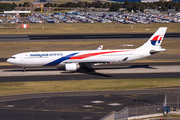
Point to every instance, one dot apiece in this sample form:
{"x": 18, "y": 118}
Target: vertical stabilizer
{"x": 155, "y": 40}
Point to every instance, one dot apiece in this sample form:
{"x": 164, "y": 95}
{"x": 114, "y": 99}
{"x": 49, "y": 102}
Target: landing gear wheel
{"x": 91, "y": 70}
{"x": 88, "y": 70}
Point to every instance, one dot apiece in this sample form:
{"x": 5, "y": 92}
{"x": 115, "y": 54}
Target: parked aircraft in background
{"x": 100, "y": 47}
{"x": 73, "y": 60}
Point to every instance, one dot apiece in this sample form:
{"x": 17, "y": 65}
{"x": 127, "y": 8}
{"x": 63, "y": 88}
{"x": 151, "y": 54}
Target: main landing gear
{"x": 89, "y": 69}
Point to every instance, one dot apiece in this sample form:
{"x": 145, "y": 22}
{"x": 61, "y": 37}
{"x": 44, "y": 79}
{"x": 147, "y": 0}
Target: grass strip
{"x": 5, "y": 64}
{"x": 79, "y": 28}
{"x": 9, "y": 88}
{"x": 10, "y": 48}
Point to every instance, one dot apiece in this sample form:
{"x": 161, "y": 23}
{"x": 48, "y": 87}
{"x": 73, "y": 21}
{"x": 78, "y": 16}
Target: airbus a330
{"x": 85, "y": 59}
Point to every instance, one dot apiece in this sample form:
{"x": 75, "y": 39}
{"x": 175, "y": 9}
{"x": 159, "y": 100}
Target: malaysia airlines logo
{"x": 157, "y": 40}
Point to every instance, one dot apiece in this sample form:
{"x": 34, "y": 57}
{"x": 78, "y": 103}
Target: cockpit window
{"x": 13, "y": 57}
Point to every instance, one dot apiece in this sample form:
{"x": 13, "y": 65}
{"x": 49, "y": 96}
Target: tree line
{"x": 136, "y": 6}
{"x": 7, "y": 7}
{"x": 160, "y": 5}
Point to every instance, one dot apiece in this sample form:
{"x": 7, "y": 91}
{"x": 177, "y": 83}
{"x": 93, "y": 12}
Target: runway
{"x": 88, "y": 76}
{"x": 113, "y": 71}
{"x": 80, "y": 36}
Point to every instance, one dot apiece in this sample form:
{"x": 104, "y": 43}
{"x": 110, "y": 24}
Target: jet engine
{"x": 71, "y": 66}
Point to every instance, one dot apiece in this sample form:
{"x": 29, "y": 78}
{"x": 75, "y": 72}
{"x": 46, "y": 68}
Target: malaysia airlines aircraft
{"x": 73, "y": 60}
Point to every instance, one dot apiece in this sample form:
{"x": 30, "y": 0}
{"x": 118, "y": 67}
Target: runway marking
{"x": 49, "y": 110}
{"x": 90, "y": 106}
{"x": 114, "y": 104}
{"x": 129, "y": 96}
{"x": 63, "y": 107}
{"x": 135, "y": 95}
{"x": 89, "y": 110}
{"x": 97, "y": 107}
{"x": 106, "y": 95}
{"x": 87, "y": 106}
{"x": 97, "y": 101}
{"x": 46, "y": 110}
{"x": 71, "y": 107}
{"x": 9, "y": 106}
{"x": 87, "y": 117}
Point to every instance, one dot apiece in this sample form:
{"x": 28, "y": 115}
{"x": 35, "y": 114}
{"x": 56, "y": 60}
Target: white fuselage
{"x": 58, "y": 58}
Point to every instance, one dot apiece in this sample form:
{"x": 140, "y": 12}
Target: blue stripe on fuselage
{"x": 56, "y": 62}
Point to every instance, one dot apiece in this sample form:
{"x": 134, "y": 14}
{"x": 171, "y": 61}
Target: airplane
{"x": 73, "y": 60}
{"x": 100, "y": 47}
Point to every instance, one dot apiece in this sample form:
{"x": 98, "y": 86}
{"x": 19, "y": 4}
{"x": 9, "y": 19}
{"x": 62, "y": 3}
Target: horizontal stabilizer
{"x": 153, "y": 51}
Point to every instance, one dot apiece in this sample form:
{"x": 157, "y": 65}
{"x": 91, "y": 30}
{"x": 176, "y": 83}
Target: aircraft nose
{"x": 8, "y": 60}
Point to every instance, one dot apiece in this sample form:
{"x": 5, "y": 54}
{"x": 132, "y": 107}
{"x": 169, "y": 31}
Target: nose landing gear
{"x": 24, "y": 69}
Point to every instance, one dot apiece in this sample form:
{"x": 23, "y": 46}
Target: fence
{"x": 171, "y": 100}
{"x": 122, "y": 115}
{"x": 125, "y": 113}
{"x": 146, "y": 110}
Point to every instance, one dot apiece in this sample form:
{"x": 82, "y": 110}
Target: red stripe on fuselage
{"x": 94, "y": 54}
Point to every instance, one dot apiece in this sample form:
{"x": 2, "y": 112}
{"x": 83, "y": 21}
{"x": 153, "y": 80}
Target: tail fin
{"x": 155, "y": 40}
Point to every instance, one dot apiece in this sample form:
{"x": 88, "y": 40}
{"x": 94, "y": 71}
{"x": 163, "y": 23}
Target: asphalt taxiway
{"x": 78, "y": 105}
{"x": 73, "y": 107}
{"x": 88, "y": 76}
{"x": 113, "y": 71}
{"x": 80, "y": 36}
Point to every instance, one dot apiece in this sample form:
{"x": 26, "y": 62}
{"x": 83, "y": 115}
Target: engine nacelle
{"x": 71, "y": 66}
{"x": 60, "y": 66}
